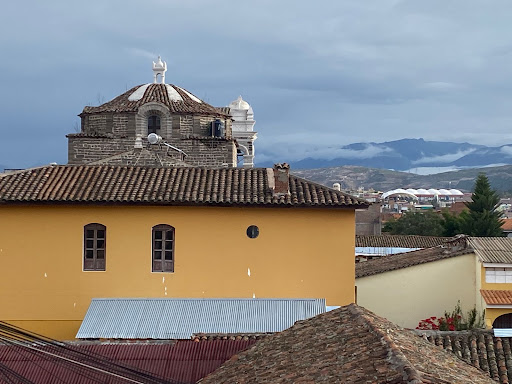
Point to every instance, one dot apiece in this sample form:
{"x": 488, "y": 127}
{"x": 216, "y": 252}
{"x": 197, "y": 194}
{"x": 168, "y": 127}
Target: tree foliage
{"x": 426, "y": 223}
{"x": 451, "y": 223}
{"x": 482, "y": 218}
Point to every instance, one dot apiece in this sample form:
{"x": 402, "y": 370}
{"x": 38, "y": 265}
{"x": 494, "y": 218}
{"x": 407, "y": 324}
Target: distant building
{"x": 368, "y": 221}
{"x": 191, "y": 132}
{"x": 505, "y": 206}
{"x": 403, "y": 200}
{"x": 507, "y": 227}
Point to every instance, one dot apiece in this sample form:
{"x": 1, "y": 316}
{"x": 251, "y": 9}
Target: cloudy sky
{"x": 319, "y": 74}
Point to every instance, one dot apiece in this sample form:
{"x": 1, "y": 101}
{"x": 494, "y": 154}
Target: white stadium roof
{"x": 422, "y": 192}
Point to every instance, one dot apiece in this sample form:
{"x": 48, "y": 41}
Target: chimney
{"x": 282, "y": 179}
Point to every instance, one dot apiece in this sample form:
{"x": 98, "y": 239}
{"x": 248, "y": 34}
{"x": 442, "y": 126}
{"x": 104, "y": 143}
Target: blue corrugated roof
{"x": 141, "y": 318}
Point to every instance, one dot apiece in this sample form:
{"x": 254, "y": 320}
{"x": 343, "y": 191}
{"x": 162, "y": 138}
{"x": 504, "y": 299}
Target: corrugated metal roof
{"x": 492, "y": 249}
{"x": 121, "y": 318}
{"x": 183, "y": 361}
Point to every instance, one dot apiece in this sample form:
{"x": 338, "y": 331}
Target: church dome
{"x": 177, "y": 99}
{"x": 239, "y": 103}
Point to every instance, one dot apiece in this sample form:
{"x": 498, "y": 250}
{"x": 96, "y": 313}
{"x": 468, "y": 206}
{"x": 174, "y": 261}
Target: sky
{"x": 318, "y": 74}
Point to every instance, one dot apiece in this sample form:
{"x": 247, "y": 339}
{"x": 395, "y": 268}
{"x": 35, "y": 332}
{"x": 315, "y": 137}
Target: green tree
{"x": 426, "y": 223}
{"x": 482, "y": 219}
{"x": 451, "y": 224}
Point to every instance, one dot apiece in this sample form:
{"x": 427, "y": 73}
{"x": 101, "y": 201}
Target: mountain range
{"x": 354, "y": 177}
{"x": 412, "y": 155}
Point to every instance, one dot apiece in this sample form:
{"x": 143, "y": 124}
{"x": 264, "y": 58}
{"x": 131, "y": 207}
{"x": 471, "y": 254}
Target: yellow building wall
{"x": 492, "y": 313}
{"x": 299, "y": 253}
{"x": 406, "y": 296}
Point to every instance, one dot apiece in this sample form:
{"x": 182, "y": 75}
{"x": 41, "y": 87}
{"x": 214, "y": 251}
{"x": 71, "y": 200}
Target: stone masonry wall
{"x": 186, "y": 125}
{"x": 144, "y": 157}
{"x": 105, "y": 123}
{"x": 208, "y": 152}
{"x": 82, "y": 150}
{"x": 201, "y": 152}
{"x": 108, "y": 134}
{"x": 124, "y": 125}
{"x": 97, "y": 124}
{"x": 202, "y": 126}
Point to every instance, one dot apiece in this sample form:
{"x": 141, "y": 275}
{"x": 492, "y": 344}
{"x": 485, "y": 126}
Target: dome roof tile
{"x": 177, "y": 99}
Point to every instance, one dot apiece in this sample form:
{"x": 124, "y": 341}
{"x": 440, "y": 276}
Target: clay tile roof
{"x": 407, "y": 259}
{"x": 157, "y": 93}
{"x": 496, "y": 297}
{"x": 224, "y": 110}
{"x": 347, "y": 345}
{"x": 399, "y": 241}
{"x": 112, "y": 184}
{"x": 507, "y": 225}
{"x": 493, "y": 249}
{"x": 479, "y": 348}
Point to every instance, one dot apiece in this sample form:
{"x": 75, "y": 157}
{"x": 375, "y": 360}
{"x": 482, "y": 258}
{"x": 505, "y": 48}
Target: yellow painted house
{"x": 72, "y": 233}
{"x": 494, "y": 278}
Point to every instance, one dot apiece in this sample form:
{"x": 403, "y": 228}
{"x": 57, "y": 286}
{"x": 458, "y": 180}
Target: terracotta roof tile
{"x": 496, "y": 297}
{"x": 408, "y": 259}
{"x": 164, "y": 186}
{"x": 480, "y": 348}
{"x": 157, "y": 93}
{"x": 507, "y": 225}
{"x": 399, "y": 241}
{"x": 347, "y": 345}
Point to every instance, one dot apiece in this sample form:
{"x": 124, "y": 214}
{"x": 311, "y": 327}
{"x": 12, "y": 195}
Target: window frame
{"x": 94, "y": 263}
{"x": 157, "y": 127}
{"x": 498, "y": 275}
{"x": 162, "y": 264}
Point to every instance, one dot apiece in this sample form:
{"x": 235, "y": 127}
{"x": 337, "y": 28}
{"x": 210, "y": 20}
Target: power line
{"x": 35, "y": 347}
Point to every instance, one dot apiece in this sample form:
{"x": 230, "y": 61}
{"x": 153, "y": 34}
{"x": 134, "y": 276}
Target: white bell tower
{"x": 243, "y": 129}
{"x": 159, "y": 68}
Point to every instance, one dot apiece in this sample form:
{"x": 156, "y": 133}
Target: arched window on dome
{"x": 154, "y": 124}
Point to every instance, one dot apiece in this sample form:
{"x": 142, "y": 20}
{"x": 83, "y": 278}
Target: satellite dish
{"x": 153, "y": 138}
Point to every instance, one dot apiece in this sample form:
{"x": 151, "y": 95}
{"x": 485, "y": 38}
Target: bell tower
{"x": 243, "y": 129}
{"x": 159, "y": 68}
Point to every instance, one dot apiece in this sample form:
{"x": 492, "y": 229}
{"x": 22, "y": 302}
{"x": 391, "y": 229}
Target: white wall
{"x": 408, "y": 295}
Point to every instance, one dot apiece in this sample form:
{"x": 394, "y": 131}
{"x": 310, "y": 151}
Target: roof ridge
{"x": 444, "y": 253}
{"x": 395, "y": 356}
{"x": 363, "y": 201}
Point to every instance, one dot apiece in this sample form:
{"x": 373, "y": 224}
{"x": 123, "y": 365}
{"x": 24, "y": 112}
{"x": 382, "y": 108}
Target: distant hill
{"x": 408, "y": 154}
{"x": 353, "y": 177}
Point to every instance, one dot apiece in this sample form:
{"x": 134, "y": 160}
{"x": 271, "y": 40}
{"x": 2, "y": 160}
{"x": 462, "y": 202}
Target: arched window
{"x": 503, "y": 321}
{"x": 154, "y": 124}
{"x": 162, "y": 248}
{"x": 95, "y": 242}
